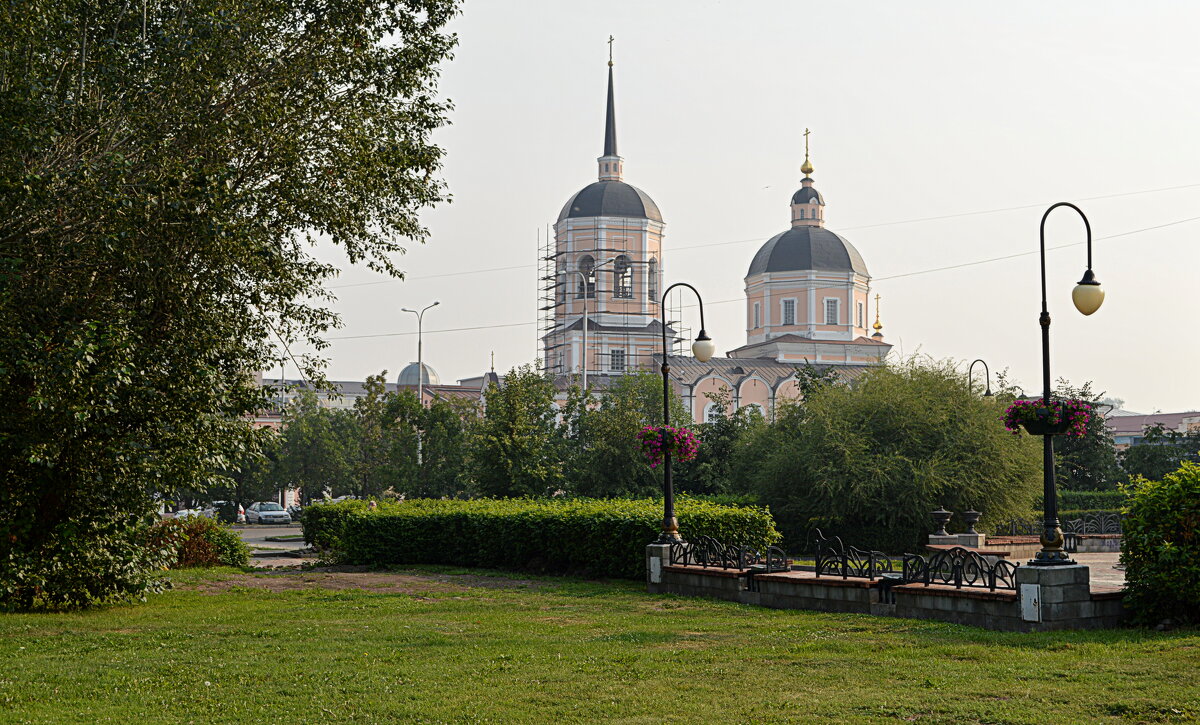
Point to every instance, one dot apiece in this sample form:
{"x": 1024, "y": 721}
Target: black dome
{"x": 807, "y": 194}
{"x": 807, "y": 248}
{"x": 611, "y": 198}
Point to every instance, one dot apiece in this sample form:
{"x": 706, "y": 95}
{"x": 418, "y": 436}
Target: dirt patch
{"x": 340, "y": 578}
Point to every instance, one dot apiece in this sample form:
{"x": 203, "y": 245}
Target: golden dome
{"x": 806, "y": 168}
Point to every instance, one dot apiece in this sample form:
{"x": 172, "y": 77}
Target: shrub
{"x": 321, "y": 523}
{"x": 1089, "y": 500}
{"x": 200, "y": 541}
{"x": 591, "y": 537}
{"x": 1161, "y": 547}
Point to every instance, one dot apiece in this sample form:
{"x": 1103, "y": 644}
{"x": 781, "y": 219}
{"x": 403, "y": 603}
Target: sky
{"x": 941, "y": 131}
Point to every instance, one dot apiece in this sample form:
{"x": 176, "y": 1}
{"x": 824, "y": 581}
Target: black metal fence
{"x": 834, "y": 558}
{"x": 1086, "y": 524}
{"x": 705, "y": 551}
{"x": 960, "y": 568}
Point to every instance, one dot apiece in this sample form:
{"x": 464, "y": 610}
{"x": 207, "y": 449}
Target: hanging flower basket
{"x": 1058, "y": 417}
{"x": 656, "y": 441}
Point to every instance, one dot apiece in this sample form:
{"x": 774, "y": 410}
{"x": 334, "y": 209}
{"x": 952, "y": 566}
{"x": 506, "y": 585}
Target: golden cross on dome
{"x": 877, "y": 326}
{"x": 806, "y": 133}
{"x": 806, "y": 168}
{"x": 610, "y": 42}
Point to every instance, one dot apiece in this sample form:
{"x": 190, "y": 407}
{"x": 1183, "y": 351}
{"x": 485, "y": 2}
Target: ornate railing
{"x": 706, "y": 551}
{"x": 961, "y": 568}
{"x": 834, "y": 558}
{"x": 1086, "y": 524}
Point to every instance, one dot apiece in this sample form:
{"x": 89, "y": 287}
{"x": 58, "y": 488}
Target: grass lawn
{"x": 456, "y": 646}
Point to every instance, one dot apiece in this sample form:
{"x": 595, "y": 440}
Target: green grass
{"x": 561, "y": 650}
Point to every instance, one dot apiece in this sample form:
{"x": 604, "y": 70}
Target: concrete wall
{"x": 1046, "y": 598}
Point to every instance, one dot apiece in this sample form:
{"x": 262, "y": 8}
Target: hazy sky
{"x": 940, "y": 133}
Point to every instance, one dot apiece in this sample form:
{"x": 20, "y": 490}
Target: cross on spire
{"x": 806, "y": 168}
{"x": 610, "y": 42}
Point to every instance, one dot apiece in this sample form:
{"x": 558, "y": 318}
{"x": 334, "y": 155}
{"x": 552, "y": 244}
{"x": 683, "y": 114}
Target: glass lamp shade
{"x": 1087, "y": 297}
{"x": 703, "y": 348}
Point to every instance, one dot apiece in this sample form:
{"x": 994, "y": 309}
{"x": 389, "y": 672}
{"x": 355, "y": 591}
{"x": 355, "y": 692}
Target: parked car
{"x": 229, "y": 512}
{"x": 267, "y": 512}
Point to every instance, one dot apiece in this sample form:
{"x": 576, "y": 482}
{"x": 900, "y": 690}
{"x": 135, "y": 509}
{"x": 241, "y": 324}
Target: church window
{"x": 652, "y": 279}
{"x": 616, "y": 360}
{"x": 757, "y": 317}
{"x": 831, "y": 312}
{"x": 712, "y": 413}
{"x": 623, "y": 271}
{"x": 587, "y": 265}
{"x": 754, "y": 410}
{"x": 789, "y": 312}
{"x": 801, "y": 213}
{"x": 860, "y": 314}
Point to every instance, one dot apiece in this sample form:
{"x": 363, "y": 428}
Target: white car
{"x": 267, "y": 512}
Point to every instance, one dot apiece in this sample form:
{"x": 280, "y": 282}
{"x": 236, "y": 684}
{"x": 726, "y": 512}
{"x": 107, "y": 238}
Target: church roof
{"x": 611, "y": 198}
{"x": 808, "y": 194}
{"x": 801, "y": 248}
{"x": 688, "y": 370}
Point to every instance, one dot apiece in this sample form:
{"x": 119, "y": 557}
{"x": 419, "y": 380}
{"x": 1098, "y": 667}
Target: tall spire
{"x": 610, "y": 162}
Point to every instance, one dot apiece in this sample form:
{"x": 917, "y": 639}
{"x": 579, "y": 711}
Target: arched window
{"x": 652, "y": 279}
{"x": 712, "y": 413}
{"x": 801, "y": 213}
{"x": 754, "y": 410}
{"x": 623, "y": 272}
{"x": 587, "y": 265}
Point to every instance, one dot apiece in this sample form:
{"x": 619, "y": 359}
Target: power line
{"x": 918, "y": 220}
{"x": 876, "y": 279}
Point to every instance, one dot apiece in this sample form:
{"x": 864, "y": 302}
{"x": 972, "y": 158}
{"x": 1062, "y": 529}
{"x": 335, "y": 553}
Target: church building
{"x": 807, "y": 296}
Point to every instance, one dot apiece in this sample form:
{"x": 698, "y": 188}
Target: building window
{"x": 801, "y": 213}
{"x": 616, "y": 361}
{"x": 757, "y": 317}
{"x": 860, "y": 314}
{"x": 712, "y": 413}
{"x": 652, "y": 279}
{"x": 587, "y": 265}
{"x": 789, "y": 312}
{"x": 754, "y": 410}
{"x": 623, "y": 271}
{"x": 831, "y": 312}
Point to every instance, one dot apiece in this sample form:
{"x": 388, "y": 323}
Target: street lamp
{"x": 703, "y": 348}
{"x": 583, "y": 281}
{"x": 1087, "y": 297}
{"x": 987, "y": 376}
{"x": 420, "y": 366}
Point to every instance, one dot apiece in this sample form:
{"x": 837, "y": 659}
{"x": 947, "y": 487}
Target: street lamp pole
{"x": 420, "y": 366}
{"x": 987, "y": 376}
{"x": 703, "y": 348}
{"x": 1087, "y": 297}
{"x": 583, "y": 281}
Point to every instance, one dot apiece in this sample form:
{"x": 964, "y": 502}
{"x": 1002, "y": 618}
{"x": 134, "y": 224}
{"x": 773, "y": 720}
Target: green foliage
{"x": 1160, "y": 452}
{"x": 712, "y": 471}
{"x": 604, "y": 457}
{"x": 163, "y": 170}
{"x": 597, "y": 537}
{"x": 1087, "y": 462}
{"x": 319, "y": 448}
{"x": 516, "y": 446}
{"x": 1161, "y": 547}
{"x": 201, "y": 541}
{"x": 871, "y": 460}
{"x": 322, "y": 523}
{"x": 1090, "y": 500}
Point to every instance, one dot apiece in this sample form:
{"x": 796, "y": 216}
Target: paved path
{"x": 271, "y": 553}
{"x": 1103, "y": 573}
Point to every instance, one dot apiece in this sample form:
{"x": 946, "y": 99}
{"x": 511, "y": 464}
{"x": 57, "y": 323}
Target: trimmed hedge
{"x": 588, "y": 537}
{"x": 1161, "y": 547}
{"x": 1090, "y": 500}
{"x": 321, "y": 523}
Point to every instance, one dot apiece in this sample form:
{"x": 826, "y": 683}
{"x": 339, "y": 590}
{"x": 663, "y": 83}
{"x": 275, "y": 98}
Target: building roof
{"x": 688, "y": 370}
{"x": 807, "y": 194}
{"x": 610, "y": 119}
{"x": 1137, "y": 424}
{"x": 409, "y": 375}
{"x": 654, "y": 327}
{"x": 802, "y": 248}
{"x": 611, "y": 198}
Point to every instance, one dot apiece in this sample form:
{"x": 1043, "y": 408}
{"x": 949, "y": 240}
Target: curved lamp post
{"x": 420, "y": 366}
{"x": 987, "y": 376}
{"x": 703, "y": 348}
{"x": 1087, "y": 297}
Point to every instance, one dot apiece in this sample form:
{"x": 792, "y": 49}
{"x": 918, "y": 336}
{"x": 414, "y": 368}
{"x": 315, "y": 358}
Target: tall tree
{"x": 721, "y": 439}
{"x": 870, "y": 460}
{"x": 1087, "y": 462}
{"x": 516, "y": 447}
{"x": 163, "y": 169}
{"x": 1160, "y": 452}
{"x": 319, "y": 449}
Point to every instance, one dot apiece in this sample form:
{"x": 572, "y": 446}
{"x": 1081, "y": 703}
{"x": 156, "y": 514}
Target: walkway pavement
{"x": 1102, "y": 566}
{"x": 272, "y": 554}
